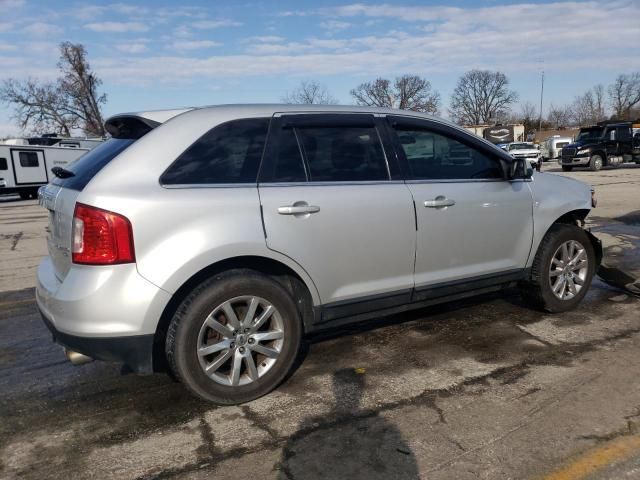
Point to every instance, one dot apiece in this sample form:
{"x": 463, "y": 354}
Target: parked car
{"x": 605, "y": 144}
{"x": 552, "y": 147}
{"x": 210, "y": 241}
{"x": 525, "y": 150}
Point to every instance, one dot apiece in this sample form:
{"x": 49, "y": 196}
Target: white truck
{"x": 527, "y": 151}
{"x": 26, "y": 163}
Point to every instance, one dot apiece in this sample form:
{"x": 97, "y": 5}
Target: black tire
{"x": 182, "y": 335}
{"x": 596, "y": 163}
{"x": 24, "y": 195}
{"x": 537, "y": 292}
{"x": 567, "y": 168}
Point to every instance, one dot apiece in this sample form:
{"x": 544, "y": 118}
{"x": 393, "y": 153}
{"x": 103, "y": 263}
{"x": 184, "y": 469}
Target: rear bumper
{"x": 104, "y": 312}
{"x": 136, "y": 352}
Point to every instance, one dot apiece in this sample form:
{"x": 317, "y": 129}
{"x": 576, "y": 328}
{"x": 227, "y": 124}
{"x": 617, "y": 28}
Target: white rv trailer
{"x": 26, "y": 165}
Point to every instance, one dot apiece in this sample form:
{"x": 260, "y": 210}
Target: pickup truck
{"x": 526, "y": 151}
{"x": 607, "y": 143}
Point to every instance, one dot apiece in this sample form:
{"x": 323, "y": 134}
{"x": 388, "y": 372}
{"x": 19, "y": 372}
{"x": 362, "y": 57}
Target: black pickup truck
{"x": 607, "y": 143}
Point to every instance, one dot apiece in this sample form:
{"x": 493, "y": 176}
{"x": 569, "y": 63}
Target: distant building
{"x": 499, "y": 133}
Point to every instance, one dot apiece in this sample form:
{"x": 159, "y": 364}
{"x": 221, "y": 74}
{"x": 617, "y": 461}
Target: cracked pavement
{"x": 482, "y": 388}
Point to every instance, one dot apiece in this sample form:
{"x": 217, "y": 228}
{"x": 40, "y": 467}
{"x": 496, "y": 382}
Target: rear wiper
{"x": 62, "y": 172}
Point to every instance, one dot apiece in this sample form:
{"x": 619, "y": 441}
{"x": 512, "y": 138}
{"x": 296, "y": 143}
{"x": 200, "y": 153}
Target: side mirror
{"x": 519, "y": 169}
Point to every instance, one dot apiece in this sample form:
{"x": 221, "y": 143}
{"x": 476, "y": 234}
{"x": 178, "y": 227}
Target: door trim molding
{"x": 363, "y": 308}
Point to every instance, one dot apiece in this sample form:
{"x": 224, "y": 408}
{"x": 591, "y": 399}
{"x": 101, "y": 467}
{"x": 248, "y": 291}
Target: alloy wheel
{"x": 240, "y": 340}
{"x": 568, "y": 270}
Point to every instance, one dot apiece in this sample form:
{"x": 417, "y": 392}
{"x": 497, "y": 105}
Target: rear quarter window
{"x": 228, "y": 153}
{"x": 89, "y": 164}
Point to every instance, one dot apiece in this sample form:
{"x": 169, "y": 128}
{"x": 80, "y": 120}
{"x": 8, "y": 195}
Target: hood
{"x": 581, "y": 144}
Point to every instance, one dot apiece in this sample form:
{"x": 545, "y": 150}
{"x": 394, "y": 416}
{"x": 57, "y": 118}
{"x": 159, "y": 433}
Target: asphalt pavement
{"x": 484, "y": 388}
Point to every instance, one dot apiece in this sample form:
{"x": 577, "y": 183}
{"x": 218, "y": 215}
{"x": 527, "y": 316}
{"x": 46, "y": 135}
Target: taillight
{"x": 101, "y": 237}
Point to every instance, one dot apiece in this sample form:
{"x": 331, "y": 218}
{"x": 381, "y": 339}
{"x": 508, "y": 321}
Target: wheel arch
{"x": 575, "y": 217}
{"x": 304, "y": 294}
{"x": 603, "y": 155}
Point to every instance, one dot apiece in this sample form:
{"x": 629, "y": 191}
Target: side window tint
{"x": 288, "y": 164}
{"x": 228, "y": 153}
{"x": 343, "y": 154}
{"x": 28, "y": 159}
{"x": 432, "y": 156}
{"x": 3, "y": 164}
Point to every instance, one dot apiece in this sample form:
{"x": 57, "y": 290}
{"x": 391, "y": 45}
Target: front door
{"x": 329, "y": 204}
{"x": 29, "y": 166}
{"x": 472, "y": 223}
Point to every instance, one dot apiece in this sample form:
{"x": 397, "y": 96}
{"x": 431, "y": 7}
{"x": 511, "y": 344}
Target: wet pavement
{"x": 483, "y": 388}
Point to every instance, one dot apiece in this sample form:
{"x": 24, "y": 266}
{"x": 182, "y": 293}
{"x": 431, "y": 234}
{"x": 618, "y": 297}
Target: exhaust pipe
{"x": 77, "y": 358}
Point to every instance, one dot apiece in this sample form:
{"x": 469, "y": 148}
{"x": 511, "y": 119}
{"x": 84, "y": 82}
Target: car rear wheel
{"x": 562, "y": 270}
{"x": 566, "y": 168}
{"x": 596, "y": 163}
{"x": 234, "y": 338}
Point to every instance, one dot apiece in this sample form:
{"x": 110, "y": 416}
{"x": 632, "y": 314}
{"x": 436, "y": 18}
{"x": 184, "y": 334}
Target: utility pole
{"x": 541, "y": 93}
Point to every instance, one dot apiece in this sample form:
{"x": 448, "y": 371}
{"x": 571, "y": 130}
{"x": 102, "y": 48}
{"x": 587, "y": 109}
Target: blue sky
{"x": 164, "y": 54}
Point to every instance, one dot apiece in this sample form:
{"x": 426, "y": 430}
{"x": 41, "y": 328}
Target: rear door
{"x": 332, "y": 202}
{"x": 472, "y": 223}
{"x": 29, "y": 166}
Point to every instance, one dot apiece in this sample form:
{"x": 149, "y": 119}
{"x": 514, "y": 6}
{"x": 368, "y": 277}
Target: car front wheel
{"x": 234, "y": 338}
{"x": 562, "y": 270}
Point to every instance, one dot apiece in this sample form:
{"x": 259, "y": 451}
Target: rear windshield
{"x": 89, "y": 164}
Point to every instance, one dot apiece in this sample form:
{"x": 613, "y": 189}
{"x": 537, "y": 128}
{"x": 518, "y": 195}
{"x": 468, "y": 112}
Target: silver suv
{"x": 210, "y": 241}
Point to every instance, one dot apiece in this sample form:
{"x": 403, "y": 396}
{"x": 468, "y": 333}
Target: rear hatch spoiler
{"x": 136, "y": 125}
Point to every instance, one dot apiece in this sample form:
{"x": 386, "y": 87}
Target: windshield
{"x": 521, "y": 146}
{"x": 89, "y": 164}
{"x": 590, "y": 135}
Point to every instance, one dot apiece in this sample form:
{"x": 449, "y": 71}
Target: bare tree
{"x": 38, "y": 106}
{"x": 624, "y": 94}
{"x": 310, "y": 93}
{"x": 528, "y": 116}
{"x": 408, "y": 92}
{"x": 559, "y": 117}
{"x": 481, "y": 95}
{"x": 71, "y": 102}
{"x": 589, "y": 108}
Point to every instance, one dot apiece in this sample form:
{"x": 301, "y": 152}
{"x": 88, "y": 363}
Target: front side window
{"x": 28, "y": 159}
{"x": 228, "y": 153}
{"x": 432, "y": 156}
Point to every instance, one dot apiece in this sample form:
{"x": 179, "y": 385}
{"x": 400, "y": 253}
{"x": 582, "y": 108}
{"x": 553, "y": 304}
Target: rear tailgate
{"x": 60, "y": 202}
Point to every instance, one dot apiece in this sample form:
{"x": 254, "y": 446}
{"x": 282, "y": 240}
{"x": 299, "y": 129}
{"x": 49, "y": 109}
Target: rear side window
{"x": 329, "y": 154}
{"x": 28, "y": 159}
{"x": 89, "y": 164}
{"x": 432, "y": 156}
{"x": 229, "y": 153}
{"x": 3, "y": 164}
{"x": 343, "y": 154}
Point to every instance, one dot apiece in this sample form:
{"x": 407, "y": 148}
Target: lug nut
{"x": 241, "y": 349}
{"x": 232, "y": 345}
{"x": 251, "y": 341}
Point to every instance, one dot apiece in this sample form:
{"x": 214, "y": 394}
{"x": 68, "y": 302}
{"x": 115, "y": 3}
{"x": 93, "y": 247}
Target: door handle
{"x": 298, "y": 209}
{"x": 439, "y": 202}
